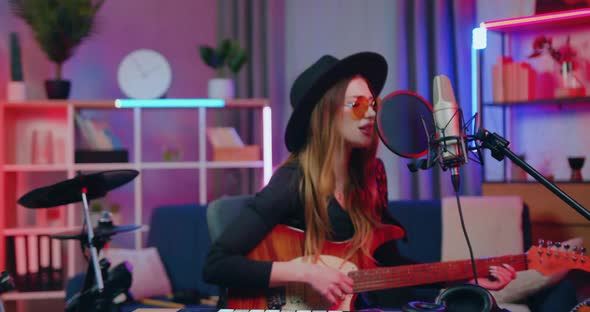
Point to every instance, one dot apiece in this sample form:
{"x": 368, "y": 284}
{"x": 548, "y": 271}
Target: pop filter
{"x": 404, "y": 123}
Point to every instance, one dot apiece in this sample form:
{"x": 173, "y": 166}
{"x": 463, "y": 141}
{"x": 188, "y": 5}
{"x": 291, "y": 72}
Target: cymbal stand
{"x": 93, "y": 265}
{"x": 89, "y": 299}
{"x": 91, "y": 244}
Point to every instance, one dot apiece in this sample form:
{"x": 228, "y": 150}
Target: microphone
{"x": 448, "y": 121}
{"x": 450, "y": 141}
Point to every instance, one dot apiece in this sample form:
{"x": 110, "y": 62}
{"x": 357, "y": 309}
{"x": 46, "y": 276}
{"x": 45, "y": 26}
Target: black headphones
{"x": 460, "y": 298}
{"x": 468, "y": 298}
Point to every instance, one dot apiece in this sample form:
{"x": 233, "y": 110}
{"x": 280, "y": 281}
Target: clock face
{"x": 144, "y": 74}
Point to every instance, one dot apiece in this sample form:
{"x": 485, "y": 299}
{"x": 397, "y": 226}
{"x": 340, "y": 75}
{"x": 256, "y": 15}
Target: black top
{"x": 278, "y": 203}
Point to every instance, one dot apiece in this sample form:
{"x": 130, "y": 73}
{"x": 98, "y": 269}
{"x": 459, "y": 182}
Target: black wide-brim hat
{"x": 312, "y": 83}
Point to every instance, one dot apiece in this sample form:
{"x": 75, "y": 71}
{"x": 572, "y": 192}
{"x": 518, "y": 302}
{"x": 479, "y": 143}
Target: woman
{"x": 332, "y": 186}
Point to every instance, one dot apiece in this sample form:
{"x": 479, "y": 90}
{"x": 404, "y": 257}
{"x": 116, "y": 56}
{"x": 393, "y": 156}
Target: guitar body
{"x": 284, "y": 243}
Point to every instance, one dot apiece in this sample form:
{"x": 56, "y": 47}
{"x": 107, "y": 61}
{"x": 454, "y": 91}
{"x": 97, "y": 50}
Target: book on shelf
{"x": 512, "y": 81}
{"x": 40, "y": 142}
{"x": 228, "y": 146}
{"x": 224, "y": 137}
{"x": 96, "y": 135}
{"x": 35, "y": 262}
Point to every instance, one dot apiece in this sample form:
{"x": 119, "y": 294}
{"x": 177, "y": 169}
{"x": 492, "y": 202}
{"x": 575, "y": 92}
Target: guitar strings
{"x": 378, "y": 278}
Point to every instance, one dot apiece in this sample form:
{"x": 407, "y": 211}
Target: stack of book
{"x": 100, "y": 145}
{"x": 513, "y": 81}
{"x": 35, "y": 262}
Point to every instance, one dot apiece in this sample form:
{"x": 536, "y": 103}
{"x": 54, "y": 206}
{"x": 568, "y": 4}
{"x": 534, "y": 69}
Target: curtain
{"x": 258, "y": 25}
{"x": 437, "y": 37}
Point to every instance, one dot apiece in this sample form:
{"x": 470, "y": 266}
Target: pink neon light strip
{"x": 267, "y": 139}
{"x": 536, "y": 19}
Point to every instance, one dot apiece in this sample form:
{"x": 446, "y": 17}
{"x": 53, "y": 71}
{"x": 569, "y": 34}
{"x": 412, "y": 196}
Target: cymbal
{"x": 69, "y": 191}
{"x": 100, "y": 231}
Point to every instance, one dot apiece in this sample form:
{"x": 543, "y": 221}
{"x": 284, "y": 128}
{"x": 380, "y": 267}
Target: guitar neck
{"x": 427, "y": 273}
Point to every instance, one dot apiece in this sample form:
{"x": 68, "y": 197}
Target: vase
{"x": 576, "y": 164}
{"x": 569, "y": 84}
{"x": 16, "y": 91}
{"x": 221, "y": 88}
{"x": 57, "y": 89}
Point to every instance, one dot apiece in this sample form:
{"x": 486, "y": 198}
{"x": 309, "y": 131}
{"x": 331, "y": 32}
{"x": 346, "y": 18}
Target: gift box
{"x": 242, "y": 153}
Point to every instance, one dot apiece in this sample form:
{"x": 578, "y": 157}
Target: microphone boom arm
{"x": 499, "y": 148}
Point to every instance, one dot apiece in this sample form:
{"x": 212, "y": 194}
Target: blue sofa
{"x": 180, "y": 234}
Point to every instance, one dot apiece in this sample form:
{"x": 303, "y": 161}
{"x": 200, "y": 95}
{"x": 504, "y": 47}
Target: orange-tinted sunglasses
{"x": 361, "y": 105}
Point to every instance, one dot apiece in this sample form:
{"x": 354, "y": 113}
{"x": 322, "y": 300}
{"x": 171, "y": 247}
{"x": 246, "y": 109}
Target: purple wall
{"x": 173, "y": 30}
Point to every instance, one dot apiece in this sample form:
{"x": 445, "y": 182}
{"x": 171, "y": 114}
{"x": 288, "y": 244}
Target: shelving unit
{"x": 542, "y": 128}
{"x": 513, "y": 37}
{"x": 145, "y": 133}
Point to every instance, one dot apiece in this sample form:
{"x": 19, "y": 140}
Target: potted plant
{"x": 16, "y": 86}
{"x": 96, "y": 210}
{"x": 59, "y": 27}
{"x": 227, "y": 58}
{"x": 116, "y": 213}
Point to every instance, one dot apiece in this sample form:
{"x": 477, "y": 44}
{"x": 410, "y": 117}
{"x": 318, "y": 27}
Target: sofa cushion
{"x": 493, "y": 223}
{"x": 180, "y": 234}
{"x": 149, "y": 276}
{"x": 422, "y": 221}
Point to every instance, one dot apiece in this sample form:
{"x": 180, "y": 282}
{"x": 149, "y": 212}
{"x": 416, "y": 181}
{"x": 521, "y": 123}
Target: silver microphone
{"x": 448, "y": 119}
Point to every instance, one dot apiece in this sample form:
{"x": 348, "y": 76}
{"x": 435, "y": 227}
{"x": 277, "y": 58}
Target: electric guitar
{"x": 284, "y": 243}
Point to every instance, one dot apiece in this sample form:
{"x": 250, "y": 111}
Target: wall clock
{"x": 144, "y": 74}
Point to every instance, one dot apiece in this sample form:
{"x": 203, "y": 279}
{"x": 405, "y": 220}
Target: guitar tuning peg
{"x": 549, "y": 243}
{"x": 582, "y": 250}
{"x": 575, "y": 249}
{"x": 557, "y": 244}
{"x": 566, "y": 246}
{"x": 541, "y": 242}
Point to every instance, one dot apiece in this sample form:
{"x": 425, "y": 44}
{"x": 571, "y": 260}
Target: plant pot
{"x": 16, "y": 91}
{"x": 57, "y": 89}
{"x": 221, "y": 88}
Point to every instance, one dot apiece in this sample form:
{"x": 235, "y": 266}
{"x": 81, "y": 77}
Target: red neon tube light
{"x": 536, "y": 19}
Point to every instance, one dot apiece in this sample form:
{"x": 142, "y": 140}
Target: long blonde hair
{"x": 317, "y": 159}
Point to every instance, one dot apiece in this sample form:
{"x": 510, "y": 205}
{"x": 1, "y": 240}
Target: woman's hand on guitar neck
{"x": 500, "y": 276}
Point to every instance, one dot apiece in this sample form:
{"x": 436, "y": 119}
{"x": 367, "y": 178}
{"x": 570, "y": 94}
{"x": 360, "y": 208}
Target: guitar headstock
{"x": 549, "y": 258}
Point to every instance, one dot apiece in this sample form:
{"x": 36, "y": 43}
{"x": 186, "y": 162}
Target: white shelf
{"x": 198, "y": 165}
{"x": 235, "y": 164}
{"x": 36, "y": 230}
{"x": 35, "y": 168}
{"x": 171, "y": 165}
{"x": 33, "y": 295}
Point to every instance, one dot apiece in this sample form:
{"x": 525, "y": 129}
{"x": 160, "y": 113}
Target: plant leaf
{"x": 237, "y": 61}
{"x": 58, "y": 26}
